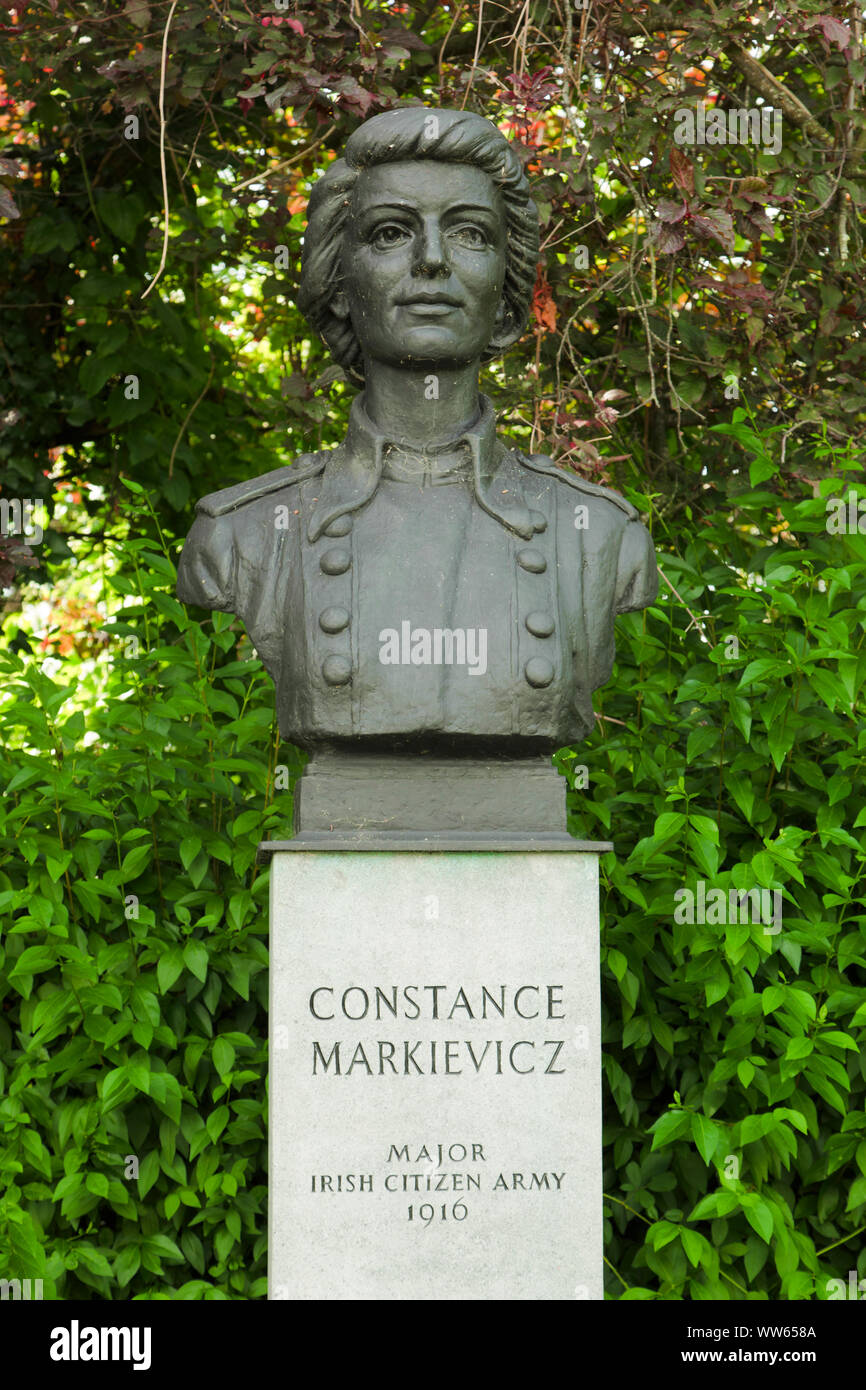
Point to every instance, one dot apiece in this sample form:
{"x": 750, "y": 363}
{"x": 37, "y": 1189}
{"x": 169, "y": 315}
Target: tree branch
{"x": 776, "y": 92}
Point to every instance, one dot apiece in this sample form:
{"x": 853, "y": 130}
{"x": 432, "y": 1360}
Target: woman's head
{"x": 331, "y": 250}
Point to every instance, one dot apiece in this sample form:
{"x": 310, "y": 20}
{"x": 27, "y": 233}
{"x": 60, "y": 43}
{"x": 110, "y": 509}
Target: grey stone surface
{"x": 430, "y": 842}
{"x": 374, "y": 792}
{"x": 519, "y": 1175}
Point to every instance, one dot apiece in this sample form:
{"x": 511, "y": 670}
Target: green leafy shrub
{"x": 733, "y": 1054}
{"x": 134, "y": 959}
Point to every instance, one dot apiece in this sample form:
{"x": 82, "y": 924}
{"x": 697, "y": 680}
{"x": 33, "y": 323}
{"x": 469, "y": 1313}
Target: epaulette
{"x": 228, "y": 499}
{"x": 540, "y": 463}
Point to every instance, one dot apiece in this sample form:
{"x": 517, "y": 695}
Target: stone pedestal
{"x": 435, "y": 1095}
{"x": 349, "y": 790}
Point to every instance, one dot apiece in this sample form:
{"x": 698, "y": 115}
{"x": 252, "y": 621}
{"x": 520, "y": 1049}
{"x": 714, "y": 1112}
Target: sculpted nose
{"x": 431, "y": 259}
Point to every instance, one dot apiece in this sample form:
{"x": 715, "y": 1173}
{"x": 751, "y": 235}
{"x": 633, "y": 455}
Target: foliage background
{"x": 134, "y": 965}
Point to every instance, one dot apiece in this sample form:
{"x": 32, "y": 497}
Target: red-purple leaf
{"x": 834, "y": 30}
{"x": 395, "y": 34}
{"x": 754, "y": 329}
{"x": 717, "y": 225}
{"x": 760, "y": 221}
{"x": 670, "y": 212}
{"x": 139, "y": 12}
{"x": 7, "y": 204}
{"x": 668, "y": 239}
{"x": 682, "y": 171}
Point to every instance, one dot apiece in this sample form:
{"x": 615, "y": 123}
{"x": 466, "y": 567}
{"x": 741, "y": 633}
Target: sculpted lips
{"x": 431, "y": 303}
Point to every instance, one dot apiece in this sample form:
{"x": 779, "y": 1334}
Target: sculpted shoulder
{"x": 227, "y": 538}
{"x": 231, "y": 499}
{"x": 540, "y": 463}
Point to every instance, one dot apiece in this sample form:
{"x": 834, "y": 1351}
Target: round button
{"x": 539, "y": 624}
{"x": 337, "y": 670}
{"x": 532, "y": 560}
{"x": 539, "y": 522}
{"x": 538, "y": 672}
{"x": 335, "y": 561}
{"x": 341, "y": 526}
{"x": 333, "y": 619}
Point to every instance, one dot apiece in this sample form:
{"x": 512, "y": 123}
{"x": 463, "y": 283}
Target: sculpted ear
{"x": 505, "y": 330}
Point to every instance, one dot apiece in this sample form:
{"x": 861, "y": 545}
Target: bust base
{"x": 357, "y": 791}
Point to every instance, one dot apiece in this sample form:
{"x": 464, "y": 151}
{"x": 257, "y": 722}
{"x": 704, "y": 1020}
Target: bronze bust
{"x": 423, "y": 588}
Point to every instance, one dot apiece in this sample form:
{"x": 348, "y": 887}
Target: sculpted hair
{"x": 459, "y": 137}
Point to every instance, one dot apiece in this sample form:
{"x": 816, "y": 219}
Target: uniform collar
{"x": 400, "y": 457}
{"x": 355, "y": 468}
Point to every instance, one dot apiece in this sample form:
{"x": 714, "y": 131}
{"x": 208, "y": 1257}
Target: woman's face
{"x": 424, "y": 262}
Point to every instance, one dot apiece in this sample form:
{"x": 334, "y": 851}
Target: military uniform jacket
{"x": 422, "y": 597}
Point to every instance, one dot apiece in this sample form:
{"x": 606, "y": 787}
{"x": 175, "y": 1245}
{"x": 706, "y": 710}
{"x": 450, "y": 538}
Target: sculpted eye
{"x": 472, "y": 236}
{"x": 388, "y": 235}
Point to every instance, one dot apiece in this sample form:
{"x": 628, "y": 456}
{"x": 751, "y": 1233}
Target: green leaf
{"x": 32, "y": 961}
{"x": 58, "y": 864}
{"x": 148, "y": 1172}
{"x": 190, "y": 848}
{"x": 216, "y": 1122}
{"x": 669, "y": 823}
{"x": 720, "y": 1203}
{"x": 662, "y": 1233}
{"x": 93, "y": 1259}
{"x": 857, "y": 1194}
{"x": 838, "y": 1040}
{"x": 760, "y": 1218}
{"x": 135, "y": 860}
{"x": 168, "y": 968}
{"x": 762, "y": 669}
{"x": 693, "y": 1244}
{"x": 617, "y": 962}
{"x": 223, "y": 1056}
{"x": 127, "y": 1264}
{"x": 123, "y": 214}
{"x": 195, "y": 959}
{"x": 116, "y": 1089}
{"x": 707, "y": 1136}
{"x": 163, "y": 1246}
{"x": 94, "y": 372}
{"x": 670, "y": 1126}
{"x": 705, "y": 826}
